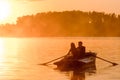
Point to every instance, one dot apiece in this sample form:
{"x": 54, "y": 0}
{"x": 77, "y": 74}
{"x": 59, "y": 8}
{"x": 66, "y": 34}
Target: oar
{"x": 54, "y": 59}
{"x": 113, "y": 63}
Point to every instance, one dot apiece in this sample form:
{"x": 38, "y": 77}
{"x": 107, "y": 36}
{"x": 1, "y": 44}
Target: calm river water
{"x": 19, "y": 58}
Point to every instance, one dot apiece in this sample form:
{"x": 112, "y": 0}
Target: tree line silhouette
{"x": 64, "y": 24}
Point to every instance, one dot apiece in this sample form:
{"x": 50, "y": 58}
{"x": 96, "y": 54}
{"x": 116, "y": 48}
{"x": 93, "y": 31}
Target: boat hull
{"x": 87, "y": 62}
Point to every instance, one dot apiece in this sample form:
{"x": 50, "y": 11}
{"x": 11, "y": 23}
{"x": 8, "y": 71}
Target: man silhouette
{"x": 81, "y": 50}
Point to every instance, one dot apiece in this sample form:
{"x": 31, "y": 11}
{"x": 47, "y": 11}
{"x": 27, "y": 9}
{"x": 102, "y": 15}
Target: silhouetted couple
{"x": 78, "y": 52}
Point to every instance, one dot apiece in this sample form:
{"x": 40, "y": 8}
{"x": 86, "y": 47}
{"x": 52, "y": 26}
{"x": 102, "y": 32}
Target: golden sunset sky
{"x": 11, "y": 9}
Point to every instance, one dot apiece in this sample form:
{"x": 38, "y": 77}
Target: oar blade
{"x": 43, "y": 64}
{"x": 114, "y": 64}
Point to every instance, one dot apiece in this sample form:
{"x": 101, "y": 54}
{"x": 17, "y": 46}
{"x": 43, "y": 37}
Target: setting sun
{"x": 4, "y": 10}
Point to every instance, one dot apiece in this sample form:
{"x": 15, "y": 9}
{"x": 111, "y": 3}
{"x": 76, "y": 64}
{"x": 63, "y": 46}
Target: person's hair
{"x": 80, "y": 42}
{"x": 72, "y": 44}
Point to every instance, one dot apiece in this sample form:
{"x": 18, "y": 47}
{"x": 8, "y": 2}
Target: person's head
{"x": 72, "y": 45}
{"x": 80, "y": 43}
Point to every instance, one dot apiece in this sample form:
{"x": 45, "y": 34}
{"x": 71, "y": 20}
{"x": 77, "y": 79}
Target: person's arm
{"x": 84, "y": 49}
{"x": 69, "y": 52}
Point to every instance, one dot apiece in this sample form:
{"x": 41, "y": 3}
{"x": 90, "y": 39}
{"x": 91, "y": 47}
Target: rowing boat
{"x": 87, "y": 62}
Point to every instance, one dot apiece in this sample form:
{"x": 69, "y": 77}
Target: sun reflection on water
{"x": 8, "y": 58}
{"x": 2, "y": 47}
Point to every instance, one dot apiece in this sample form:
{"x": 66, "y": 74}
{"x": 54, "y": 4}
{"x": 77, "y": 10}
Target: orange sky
{"x": 28, "y": 7}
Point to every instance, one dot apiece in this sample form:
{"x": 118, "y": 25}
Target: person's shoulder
{"x": 83, "y": 46}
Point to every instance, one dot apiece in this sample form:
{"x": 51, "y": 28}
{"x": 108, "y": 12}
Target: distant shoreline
{"x": 64, "y": 24}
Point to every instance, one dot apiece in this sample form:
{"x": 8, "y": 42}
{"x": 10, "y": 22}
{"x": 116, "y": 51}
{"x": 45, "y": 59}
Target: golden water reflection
{"x": 19, "y": 58}
{"x": 8, "y": 58}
